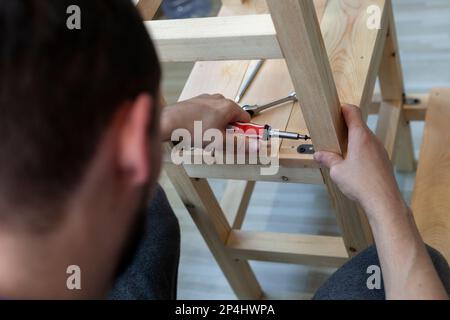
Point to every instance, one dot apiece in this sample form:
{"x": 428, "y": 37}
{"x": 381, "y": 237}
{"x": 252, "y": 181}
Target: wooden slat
{"x": 391, "y": 74}
{"x": 412, "y": 112}
{"x": 355, "y": 54}
{"x": 355, "y": 51}
{"x": 212, "y": 77}
{"x": 405, "y": 159}
{"x": 253, "y": 173}
{"x": 392, "y": 89}
{"x": 388, "y": 126}
{"x": 218, "y": 38}
{"x": 313, "y": 79}
{"x": 430, "y": 201}
{"x": 301, "y": 41}
{"x": 207, "y": 214}
{"x": 288, "y": 248}
{"x": 350, "y": 217}
{"x": 223, "y": 77}
{"x": 289, "y": 155}
{"x": 235, "y": 201}
{"x": 272, "y": 82}
{"x": 416, "y": 112}
{"x": 354, "y": 57}
{"x": 148, "y": 8}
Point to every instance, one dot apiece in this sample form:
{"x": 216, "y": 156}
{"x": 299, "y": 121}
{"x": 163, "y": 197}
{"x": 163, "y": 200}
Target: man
{"x": 80, "y": 149}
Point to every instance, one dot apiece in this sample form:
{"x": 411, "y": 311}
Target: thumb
{"x": 328, "y": 159}
{"x": 241, "y": 116}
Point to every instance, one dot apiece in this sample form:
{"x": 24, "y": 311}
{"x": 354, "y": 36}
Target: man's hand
{"x": 366, "y": 174}
{"x": 214, "y": 111}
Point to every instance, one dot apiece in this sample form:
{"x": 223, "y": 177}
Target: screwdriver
{"x": 264, "y": 132}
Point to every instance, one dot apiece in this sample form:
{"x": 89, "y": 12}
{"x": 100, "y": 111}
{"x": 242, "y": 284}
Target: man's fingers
{"x": 217, "y": 96}
{"x": 328, "y": 159}
{"x": 238, "y": 114}
{"x": 241, "y": 116}
{"x": 352, "y": 116}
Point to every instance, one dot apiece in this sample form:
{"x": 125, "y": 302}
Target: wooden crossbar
{"x": 253, "y": 173}
{"x": 392, "y": 90}
{"x": 288, "y": 248}
{"x": 218, "y": 38}
{"x": 389, "y": 124}
{"x": 300, "y": 37}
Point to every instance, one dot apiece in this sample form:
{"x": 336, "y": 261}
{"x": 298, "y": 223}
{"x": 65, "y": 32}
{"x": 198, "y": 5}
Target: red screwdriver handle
{"x": 250, "y": 130}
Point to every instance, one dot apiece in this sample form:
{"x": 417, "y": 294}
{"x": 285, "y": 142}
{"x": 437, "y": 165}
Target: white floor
{"x": 424, "y": 36}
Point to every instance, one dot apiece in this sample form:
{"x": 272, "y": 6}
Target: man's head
{"x": 78, "y": 117}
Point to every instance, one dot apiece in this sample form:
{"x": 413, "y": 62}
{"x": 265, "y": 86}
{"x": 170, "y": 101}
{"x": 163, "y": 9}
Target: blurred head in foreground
{"x": 79, "y": 143}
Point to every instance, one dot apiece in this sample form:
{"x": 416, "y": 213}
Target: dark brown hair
{"x": 60, "y": 88}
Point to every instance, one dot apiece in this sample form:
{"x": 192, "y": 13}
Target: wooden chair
{"x": 431, "y": 197}
{"x": 328, "y": 53}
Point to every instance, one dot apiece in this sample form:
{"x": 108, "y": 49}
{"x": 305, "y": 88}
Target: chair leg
{"x": 207, "y": 214}
{"x": 392, "y": 90}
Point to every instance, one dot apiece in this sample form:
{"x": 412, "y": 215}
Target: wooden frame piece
{"x": 253, "y": 173}
{"x": 341, "y": 66}
{"x": 392, "y": 90}
{"x": 300, "y": 38}
{"x": 355, "y": 55}
{"x": 430, "y": 203}
{"x": 217, "y": 38}
{"x": 388, "y": 126}
{"x": 288, "y": 248}
{"x": 412, "y": 112}
{"x": 311, "y": 73}
{"x": 391, "y": 75}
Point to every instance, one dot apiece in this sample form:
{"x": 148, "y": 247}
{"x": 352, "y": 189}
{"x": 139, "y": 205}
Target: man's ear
{"x": 133, "y": 155}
